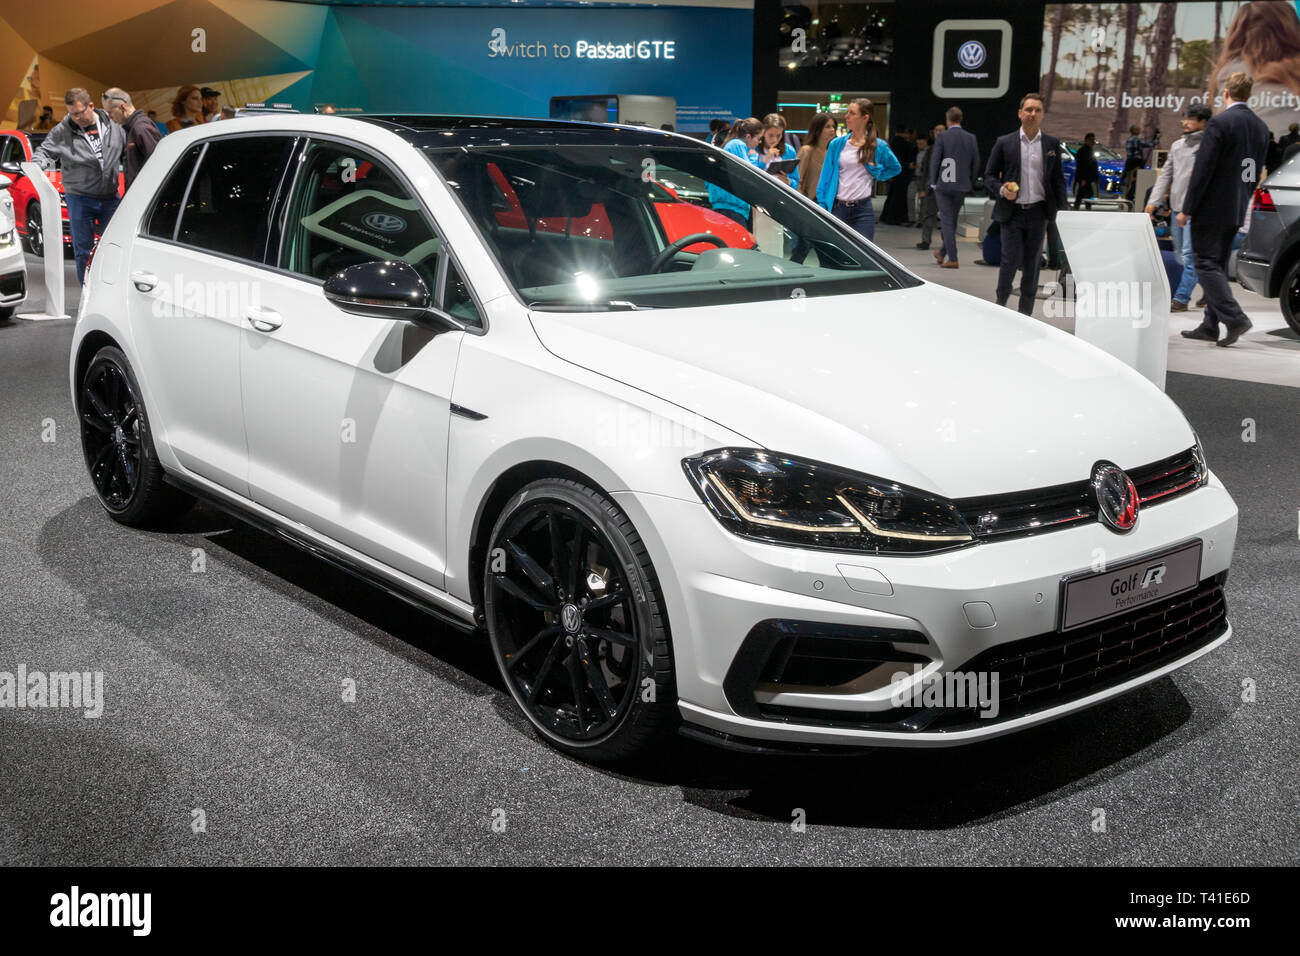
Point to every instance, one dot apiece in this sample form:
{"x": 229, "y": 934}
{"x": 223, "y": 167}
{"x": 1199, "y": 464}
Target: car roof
{"x": 436, "y": 131}
{"x": 452, "y": 131}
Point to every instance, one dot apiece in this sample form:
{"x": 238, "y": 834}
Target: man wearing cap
{"x": 211, "y": 104}
{"x": 1172, "y": 183}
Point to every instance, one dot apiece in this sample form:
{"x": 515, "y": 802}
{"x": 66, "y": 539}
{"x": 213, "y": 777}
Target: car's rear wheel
{"x": 577, "y": 623}
{"x": 1291, "y": 297}
{"x": 35, "y": 237}
{"x": 7, "y": 312}
{"x": 118, "y": 445}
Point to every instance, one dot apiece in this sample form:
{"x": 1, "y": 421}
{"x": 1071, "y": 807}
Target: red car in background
{"x": 16, "y": 147}
{"x": 678, "y": 217}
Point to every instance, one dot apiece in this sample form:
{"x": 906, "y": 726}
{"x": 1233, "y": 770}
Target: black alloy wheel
{"x": 575, "y": 621}
{"x": 35, "y": 237}
{"x": 1291, "y": 297}
{"x": 118, "y": 447}
{"x": 110, "y": 434}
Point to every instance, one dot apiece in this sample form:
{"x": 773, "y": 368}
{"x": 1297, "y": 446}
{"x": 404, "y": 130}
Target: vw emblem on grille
{"x": 1116, "y": 496}
{"x": 571, "y": 618}
{"x": 384, "y": 222}
{"x": 971, "y": 54}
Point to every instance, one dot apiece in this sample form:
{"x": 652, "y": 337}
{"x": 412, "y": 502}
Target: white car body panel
{"x": 949, "y": 412}
{"x": 12, "y": 260}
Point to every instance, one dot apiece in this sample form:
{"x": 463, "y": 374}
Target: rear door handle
{"x": 144, "y": 281}
{"x": 263, "y": 319}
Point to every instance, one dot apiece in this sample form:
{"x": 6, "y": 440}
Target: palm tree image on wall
{"x": 1109, "y": 67}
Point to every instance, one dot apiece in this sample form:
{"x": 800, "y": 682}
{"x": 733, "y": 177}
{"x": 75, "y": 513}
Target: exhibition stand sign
{"x": 1118, "y": 287}
{"x": 52, "y": 225}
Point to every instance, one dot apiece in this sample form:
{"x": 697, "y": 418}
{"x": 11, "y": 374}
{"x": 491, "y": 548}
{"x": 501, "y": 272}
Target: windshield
{"x": 625, "y": 227}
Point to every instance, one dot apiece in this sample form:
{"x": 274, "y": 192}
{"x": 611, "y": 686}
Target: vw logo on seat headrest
{"x": 1116, "y": 497}
{"x": 384, "y": 222}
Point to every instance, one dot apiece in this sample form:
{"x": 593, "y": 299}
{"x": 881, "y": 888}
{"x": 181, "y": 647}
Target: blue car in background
{"x": 1109, "y": 164}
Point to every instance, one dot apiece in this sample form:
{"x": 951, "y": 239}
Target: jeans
{"x": 86, "y": 216}
{"x": 860, "y": 216}
{"x": 950, "y": 203}
{"x": 1182, "y": 242}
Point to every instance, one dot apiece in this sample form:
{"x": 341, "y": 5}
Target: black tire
{"x": 118, "y": 445}
{"x": 7, "y": 312}
{"x": 35, "y": 238}
{"x": 1290, "y": 297}
{"x": 620, "y": 640}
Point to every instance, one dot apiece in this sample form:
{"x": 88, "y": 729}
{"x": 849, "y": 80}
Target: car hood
{"x": 924, "y": 386}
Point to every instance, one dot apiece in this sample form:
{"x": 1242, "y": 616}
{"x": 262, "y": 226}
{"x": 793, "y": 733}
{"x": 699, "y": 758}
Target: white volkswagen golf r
{"x": 737, "y": 474}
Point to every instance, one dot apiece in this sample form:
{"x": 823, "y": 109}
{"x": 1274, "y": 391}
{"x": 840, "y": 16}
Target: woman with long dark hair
{"x": 742, "y": 142}
{"x": 821, "y": 130}
{"x": 855, "y": 162}
{"x": 773, "y": 147}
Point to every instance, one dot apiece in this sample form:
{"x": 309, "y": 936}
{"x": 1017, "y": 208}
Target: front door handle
{"x": 144, "y": 281}
{"x": 263, "y": 319}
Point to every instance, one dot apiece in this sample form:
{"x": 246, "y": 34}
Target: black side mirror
{"x": 388, "y": 289}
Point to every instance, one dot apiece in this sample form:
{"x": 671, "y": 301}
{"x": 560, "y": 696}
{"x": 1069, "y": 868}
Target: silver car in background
{"x": 1268, "y": 262}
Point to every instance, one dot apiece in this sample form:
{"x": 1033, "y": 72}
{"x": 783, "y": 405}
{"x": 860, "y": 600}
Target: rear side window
{"x": 228, "y": 207}
{"x": 167, "y": 207}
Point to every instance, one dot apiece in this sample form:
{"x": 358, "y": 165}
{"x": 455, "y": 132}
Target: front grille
{"x": 1041, "y": 672}
{"x": 1023, "y": 513}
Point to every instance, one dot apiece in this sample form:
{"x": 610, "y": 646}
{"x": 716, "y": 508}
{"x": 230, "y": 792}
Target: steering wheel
{"x": 673, "y": 248}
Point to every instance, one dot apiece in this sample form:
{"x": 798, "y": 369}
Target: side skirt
{"x": 325, "y": 553}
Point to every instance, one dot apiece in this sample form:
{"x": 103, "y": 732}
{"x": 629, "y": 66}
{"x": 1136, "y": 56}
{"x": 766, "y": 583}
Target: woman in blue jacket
{"x": 742, "y": 142}
{"x": 773, "y": 146}
{"x": 849, "y": 175}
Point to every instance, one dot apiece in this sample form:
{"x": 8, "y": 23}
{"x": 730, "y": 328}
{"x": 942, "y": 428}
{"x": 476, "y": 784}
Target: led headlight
{"x": 771, "y": 497}
{"x": 1202, "y": 469}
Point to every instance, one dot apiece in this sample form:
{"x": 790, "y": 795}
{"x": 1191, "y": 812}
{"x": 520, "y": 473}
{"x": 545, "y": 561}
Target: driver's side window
{"x": 348, "y": 207}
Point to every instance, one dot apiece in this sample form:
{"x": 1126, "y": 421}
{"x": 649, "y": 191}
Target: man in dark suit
{"x": 1024, "y": 173}
{"x": 954, "y": 164}
{"x": 1228, "y": 167}
{"x": 1087, "y": 176}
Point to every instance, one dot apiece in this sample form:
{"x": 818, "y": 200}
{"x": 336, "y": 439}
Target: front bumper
{"x": 951, "y": 609}
{"x": 13, "y": 276}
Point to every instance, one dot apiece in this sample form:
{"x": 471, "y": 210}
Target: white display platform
{"x": 1120, "y": 292}
{"x": 52, "y": 227}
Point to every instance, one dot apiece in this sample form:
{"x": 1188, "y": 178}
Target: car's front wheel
{"x": 1291, "y": 297}
{"x": 577, "y": 623}
{"x": 118, "y": 445}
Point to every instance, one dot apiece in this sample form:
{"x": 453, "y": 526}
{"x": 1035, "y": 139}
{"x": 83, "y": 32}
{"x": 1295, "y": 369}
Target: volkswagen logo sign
{"x": 571, "y": 618}
{"x": 1116, "y": 496}
{"x": 971, "y": 54}
{"x": 384, "y": 222}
